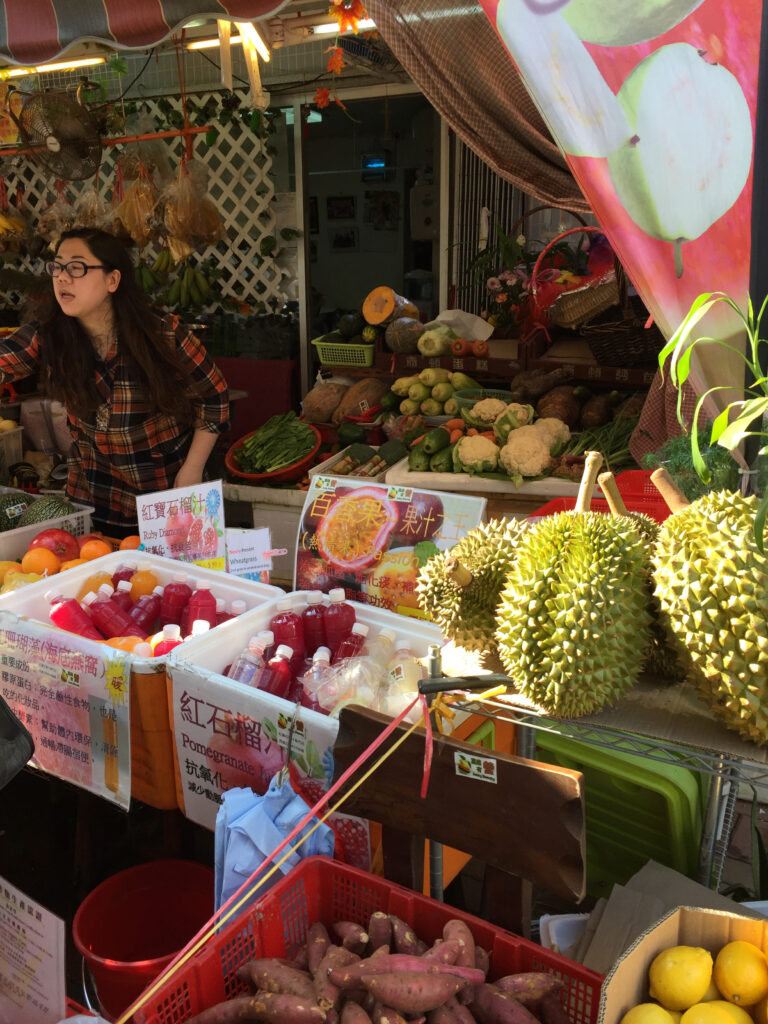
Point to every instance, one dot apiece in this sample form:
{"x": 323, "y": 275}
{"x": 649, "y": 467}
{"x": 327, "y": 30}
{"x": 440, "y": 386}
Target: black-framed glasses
{"x": 75, "y": 268}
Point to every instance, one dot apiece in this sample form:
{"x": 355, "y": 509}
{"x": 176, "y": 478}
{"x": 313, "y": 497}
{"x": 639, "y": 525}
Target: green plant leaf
{"x": 732, "y": 435}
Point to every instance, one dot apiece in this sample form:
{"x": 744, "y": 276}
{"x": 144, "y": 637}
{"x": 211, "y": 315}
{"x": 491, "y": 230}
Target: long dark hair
{"x": 68, "y": 359}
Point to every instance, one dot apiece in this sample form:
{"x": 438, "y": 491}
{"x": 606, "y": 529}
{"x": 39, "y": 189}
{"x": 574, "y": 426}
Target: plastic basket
{"x": 13, "y": 543}
{"x": 636, "y": 483}
{"x": 344, "y": 354}
{"x": 657, "y": 510}
{"x": 288, "y": 474}
{"x": 323, "y": 890}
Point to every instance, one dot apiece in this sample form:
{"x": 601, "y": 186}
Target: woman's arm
{"x": 191, "y": 471}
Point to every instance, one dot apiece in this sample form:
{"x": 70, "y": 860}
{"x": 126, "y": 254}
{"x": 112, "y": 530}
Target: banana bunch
{"x": 191, "y": 288}
{"x": 145, "y": 278}
{"x": 10, "y": 224}
{"x": 163, "y": 264}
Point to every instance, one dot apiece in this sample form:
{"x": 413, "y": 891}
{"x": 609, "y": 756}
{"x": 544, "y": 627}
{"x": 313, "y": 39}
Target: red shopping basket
{"x": 319, "y": 889}
{"x": 634, "y": 483}
{"x": 658, "y": 510}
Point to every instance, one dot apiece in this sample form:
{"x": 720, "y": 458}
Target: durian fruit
{"x": 664, "y": 658}
{"x": 711, "y": 580}
{"x": 459, "y": 588}
{"x": 573, "y": 619}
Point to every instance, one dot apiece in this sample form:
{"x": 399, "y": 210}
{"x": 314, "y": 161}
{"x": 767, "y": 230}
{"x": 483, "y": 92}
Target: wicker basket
{"x": 619, "y": 337}
{"x": 574, "y": 308}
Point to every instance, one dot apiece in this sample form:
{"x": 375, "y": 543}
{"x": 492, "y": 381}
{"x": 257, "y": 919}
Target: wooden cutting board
{"x": 523, "y": 817}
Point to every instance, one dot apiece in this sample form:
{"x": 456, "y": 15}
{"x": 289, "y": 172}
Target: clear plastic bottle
{"x": 405, "y": 672}
{"x": 171, "y": 637}
{"x": 352, "y": 644}
{"x": 108, "y": 617}
{"x": 288, "y": 631}
{"x": 267, "y": 642}
{"x": 92, "y": 584}
{"x": 312, "y": 680}
{"x": 68, "y": 613}
{"x": 338, "y": 619}
{"x": 381, "y": 650}
{"x": 277, "y": 677}
{"x": 147, "y": 609}
{"x": 143, "y": 580}
{"x": 122, "y": 595}
{"x": 248, "y": 664}
{"x": 176, "y": 597}
{"x": 313, "y": 621}
{"x": 124, "y": 571}
{"x": 202, "y": 605}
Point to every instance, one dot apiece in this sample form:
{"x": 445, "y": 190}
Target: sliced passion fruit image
{"x": 356, "y": 529}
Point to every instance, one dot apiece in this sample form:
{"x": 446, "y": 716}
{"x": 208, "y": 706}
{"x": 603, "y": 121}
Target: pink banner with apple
{"x": 653, "y": 103}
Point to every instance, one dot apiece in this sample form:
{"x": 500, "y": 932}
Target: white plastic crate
{"x": 327, "y": 468}
{"x": 13, "y": 543}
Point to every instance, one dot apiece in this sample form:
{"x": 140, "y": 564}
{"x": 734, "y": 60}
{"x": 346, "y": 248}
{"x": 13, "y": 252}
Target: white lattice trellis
{"x": 239, "y": 183}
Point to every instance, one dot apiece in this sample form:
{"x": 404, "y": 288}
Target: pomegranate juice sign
{"x": 229, "y": 735}
{"x": 372, "y": 539}
{"x": 72, "y": 696}
{"x": 186, "y": 523}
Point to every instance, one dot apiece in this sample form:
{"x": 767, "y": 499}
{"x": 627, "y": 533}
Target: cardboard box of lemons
{"x": 392, "y": 580}
{"x": 6, "y": 566}
{"x": 16, "y": 580}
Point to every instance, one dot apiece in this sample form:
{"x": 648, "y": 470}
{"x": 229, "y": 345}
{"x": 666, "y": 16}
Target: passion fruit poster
{"x": 372, "y": 539}
{"x": 653, "y": 103}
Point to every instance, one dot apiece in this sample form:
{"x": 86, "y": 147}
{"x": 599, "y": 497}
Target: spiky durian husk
{"x": 467, "y": 614}
{"x": 711, "y": 581}
{"x": 573, "y": 619}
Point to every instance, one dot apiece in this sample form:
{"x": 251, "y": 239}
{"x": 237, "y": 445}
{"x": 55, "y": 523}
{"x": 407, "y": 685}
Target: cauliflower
{"x": 514, "y": 416}
{"x": 526, "y": 453}
{"x": 483, "y": 413}
{"x": 475, "y": 455}
{"x": 554, "y": 431}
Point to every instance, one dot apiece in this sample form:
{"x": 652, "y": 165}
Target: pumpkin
{"x": 402, "y": 334}
{"x": 384, "y": 304}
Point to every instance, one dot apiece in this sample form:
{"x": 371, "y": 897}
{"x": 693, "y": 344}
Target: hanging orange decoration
{"x": 348, "y": 13}
{"x": 322, "y": 98}
{"x": 336, "y": 60}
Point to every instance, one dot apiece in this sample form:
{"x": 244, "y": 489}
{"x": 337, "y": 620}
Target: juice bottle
{"x": 202, "y": 605}
{"x": 134, "y": 644}
{"x": 277, "y": 678}
{"x": 122, "y": 595}
{"x": 176, "y": 597}
{"x": 312, "y": 619}
{"x": 237, "y": 607}
{"x": 170, "y": 638}
{"x": 267, "y": 643}
{"x": 147, "y": 609}
{"x": 222, "y": 615}
{"x": 67, "y": 613}
{"x": 93, "y": 583}
{"x": 108, "y": 617}
{"x": 314, "y": 679}
{"x": 124, "y": 571}
{"x": 381, "y": 650}
{"x": 143, "y": 580}
{"x": 338, "y": 618}
{"x": 199, "y": 628}
{"x": 288, "y": 631}
{"x": 405, "y": 672}
{"x": 249, "y": 662}
{"x": 352, "y": 644}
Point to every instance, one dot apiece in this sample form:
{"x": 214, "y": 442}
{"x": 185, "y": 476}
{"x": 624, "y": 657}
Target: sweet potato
{"x": 458, "y": 931}
{"x": 404, "y": 937}
{"x": 318, "y": 941}
{"x": 320, "y": 403}
{"x": 272, "y": 975}
{"x": 482, "y": 960}
{"x": 266, "y": 1007}
{"x": 348, "y": 975}
{"x": 398, "y": 962}
{"x": 379, "y": 930}
{"x": 386, "y": 1015}
{"x": 353, "y": 1013}
{"x": 551, "y": 1010}
{"x": 326, "y": 993}
{"x": 443, "y": 952}
{"x": 441, "y": 1015}
{"x": 529, "y": 987}
{"x": 301, "y": 960}
{"x": 411, "y": 991}
{"x": 332, "y": 1016}
{"x": 461, "y": 1013}
{"x": 492, "y": 1006}
{"x": 353, "y": 936}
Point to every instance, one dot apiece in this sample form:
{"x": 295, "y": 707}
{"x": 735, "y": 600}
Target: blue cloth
{"x": 250, "y": 827}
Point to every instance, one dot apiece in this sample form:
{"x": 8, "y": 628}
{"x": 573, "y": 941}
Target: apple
{"x": 61, "y": 542}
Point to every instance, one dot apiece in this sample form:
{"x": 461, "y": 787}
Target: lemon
{"x": 5, "y": 566}
{"x": 737, "y": 1013}
{"x": 712, "y": 1012}
{"x": 760, "y": 1012}
{"x": 713, "y": 992}
{"x": 741, "y": 973}
{"x": 647, "y": 1013}
{"x": 679, "y": 976}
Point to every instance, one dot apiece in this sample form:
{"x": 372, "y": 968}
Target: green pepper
{"x": 350, "y": 433}
{"x": 442, "y": 461}
{"x": 436, "y": 440}
{"x": 418, "y": 459}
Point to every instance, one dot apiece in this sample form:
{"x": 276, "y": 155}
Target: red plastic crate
{"x": 657, "y": 510}
{"x": 319, "y": 889}
{"x": 73, "y": 1009}
{"x": 637, "y": 483}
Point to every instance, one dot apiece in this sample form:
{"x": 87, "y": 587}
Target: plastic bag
{"x": 149, "y": 156}
{"x": 92, "y": 211}
{"x": 190, "y": 217}
{"x": 136, "y": 209}
{"x": 58, "y": 218}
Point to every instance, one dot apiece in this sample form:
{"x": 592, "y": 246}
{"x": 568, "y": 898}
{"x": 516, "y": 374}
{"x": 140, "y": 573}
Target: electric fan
{"x": 60, "y": 134}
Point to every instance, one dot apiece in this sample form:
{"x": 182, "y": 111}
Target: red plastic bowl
{"x": 286, "y": 475}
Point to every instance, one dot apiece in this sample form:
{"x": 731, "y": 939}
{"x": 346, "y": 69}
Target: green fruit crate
{"x": 318, "y": 889}
{"x": 344, "y": 354}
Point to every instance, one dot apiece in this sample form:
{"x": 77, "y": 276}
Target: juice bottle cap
{"x": 284, "y": 651}
{"x": 315, "y": 597}
{"x": 171, "y": 632}
{"x": 360, "y": 629}
{"x": 322, "y": 654}
{"x": 158, "y": 590}
{"x": 106, "y": 590}
{"x": 267, "y": 637}
{"x": 52, "y": 595}
{"x": 142, "y": 650}
{"x": 389, "y": 634}
{"x": 284, "y": 604}
{"x": 202, "y": 585}
{"x": 336, "y": 595}
{"x": 124, "y": 585}
{"x": 195, "y": 584}
{"x": 221, "y": 605}
{"x": 128, "y": 565}
{"x": 237, "y": 607}
{"x": 200, "y": 626}
{"x": 89, "y": 598}
{"x": 255, "y": 640}
{"x": 179, "y": 577}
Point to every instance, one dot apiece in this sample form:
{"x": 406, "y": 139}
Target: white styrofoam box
{"x": 549, "y": 486}
{"x": 326, "y": 468}
{"x": 30, "y": 601}
{"x": 560, "y": 932}
{"x": 14, "y": 543}
{"x": 212, "y": 654}
{"x": 11, "y": 448}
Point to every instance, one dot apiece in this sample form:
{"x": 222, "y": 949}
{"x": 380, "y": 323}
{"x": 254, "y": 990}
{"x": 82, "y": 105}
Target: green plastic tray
{"x": 636, "y": 810}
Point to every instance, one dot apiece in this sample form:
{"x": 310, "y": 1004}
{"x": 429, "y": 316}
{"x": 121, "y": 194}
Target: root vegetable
{"x": 443, "y": 952}
{"x": 457, "y": 931}
{"x": 352, "y": 1013}
{"x": 561, "y": 404}
{"x": 318, "y": 941}
{"x": 271, "y": 975}
{"x": 530, "y": 987}
{"x": 551, "y": 1010}
{"x": 353, "y": 936}
{"x": 386, "y": 1015}
{"x": 264, "y": 1008}
{"x": 596, "y": 411}
{"x": 533, "y": 383}
{"x": 461, "y": 1013}
{"x": 326, "y": 993}
{"x": 411, "y": 991}
{"x": 403, "y": 936}
{"x": 492, "y": 1006}
{"x": 350, "y": 975}
{"x": 396, "y": 963}
{"x": 379, "y": 929}
{"x": 482, "y": 960}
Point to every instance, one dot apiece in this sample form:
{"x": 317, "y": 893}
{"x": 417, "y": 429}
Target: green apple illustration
{"x": 625, "y": 22}
{"x": 690, "y": 149}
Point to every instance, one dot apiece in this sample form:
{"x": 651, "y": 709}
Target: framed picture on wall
{"x": 314, "y": 219}
{"x": 343, "y": 240}
{"x": 340, "y": 207}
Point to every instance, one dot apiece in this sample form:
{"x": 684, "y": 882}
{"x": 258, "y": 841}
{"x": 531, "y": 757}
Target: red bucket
{"x": 133, "y": 924}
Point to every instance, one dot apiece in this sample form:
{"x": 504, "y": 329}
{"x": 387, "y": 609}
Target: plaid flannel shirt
{"x": 124, "y": 450}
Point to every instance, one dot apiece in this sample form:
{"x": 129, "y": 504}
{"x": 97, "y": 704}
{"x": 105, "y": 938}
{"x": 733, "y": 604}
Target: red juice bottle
{"x": 222, "y": 615}
{"x": 124, "y": 571}
{"x": 266, "y": 640}
{"x": 147, "y": 609}
{"x": 108, "y": 617}
{"x": 338, "y": 618}
{"x": 352, "y": 644}
{"x": 67, "y": 613}
{"x": 176, "y": 595}
{"x": 171, "y": 639}
{"x": 202, "y": 605}
{"x": 277, "y": 677}
{"x": 288, "y": 630}
{"x": 122, "y": 595}
{"x": 312, "y": 619}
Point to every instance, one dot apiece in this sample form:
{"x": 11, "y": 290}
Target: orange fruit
{"x": 72, "y": 563}
{"x": 94, "y": 549}
{"x": 41, "y": 561}
{"x": 130, "y": 543}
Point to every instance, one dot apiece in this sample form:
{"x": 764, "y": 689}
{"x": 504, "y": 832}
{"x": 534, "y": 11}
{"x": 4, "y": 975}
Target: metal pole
{"x": 435, "y": 670}
{"x": 718, "y": 793}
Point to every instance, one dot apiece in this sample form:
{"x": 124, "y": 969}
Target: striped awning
{"x": 35, "y": 31}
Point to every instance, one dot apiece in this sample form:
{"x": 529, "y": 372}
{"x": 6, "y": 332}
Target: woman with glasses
{"x": 144, "y": 401}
